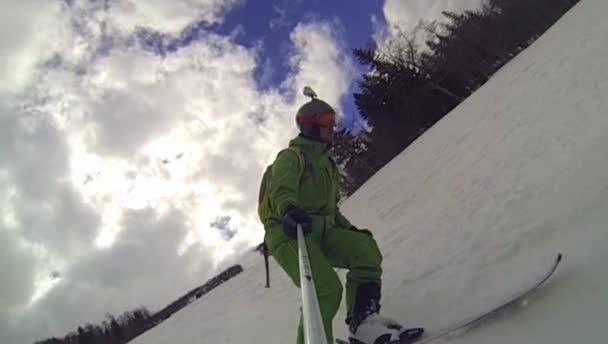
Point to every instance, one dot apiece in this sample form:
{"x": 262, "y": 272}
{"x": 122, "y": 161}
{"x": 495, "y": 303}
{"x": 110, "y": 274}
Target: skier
{"x": 303, "y": 189}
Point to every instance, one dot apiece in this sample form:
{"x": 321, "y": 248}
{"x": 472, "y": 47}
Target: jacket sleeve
{"x": 284, "y": 181}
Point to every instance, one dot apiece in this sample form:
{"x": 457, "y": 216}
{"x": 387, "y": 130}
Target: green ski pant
{"x": 330, "y": 248}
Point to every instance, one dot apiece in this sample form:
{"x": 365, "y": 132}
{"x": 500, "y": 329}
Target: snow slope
{"x": 480, "y": 203}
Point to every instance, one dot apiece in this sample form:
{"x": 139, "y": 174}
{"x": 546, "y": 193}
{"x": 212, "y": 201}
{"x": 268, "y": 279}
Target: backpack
{"x": 264, "y": 210}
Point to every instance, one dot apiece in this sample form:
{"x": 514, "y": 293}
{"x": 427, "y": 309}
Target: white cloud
{"x": 28, "y": 30}
{"x": 320, "y": 61}
{"x": 407, "y": 14}
{"x": 32, "y": 31}
{"x": 17, "y": 269}
{"x": 167, "y": 16}
{"x": 118, "y": 160}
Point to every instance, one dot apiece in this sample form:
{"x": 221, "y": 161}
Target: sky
{"x": 134, "y": 134}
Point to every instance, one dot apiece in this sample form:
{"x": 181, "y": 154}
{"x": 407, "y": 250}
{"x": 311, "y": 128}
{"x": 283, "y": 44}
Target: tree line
{"x": 111, "y": 331}
{"x": 415, "y": 79}
{"x": 133, "y": 323}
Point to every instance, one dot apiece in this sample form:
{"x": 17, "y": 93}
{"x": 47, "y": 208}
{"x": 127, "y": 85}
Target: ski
{"x": 340, "y": 341}
{"x": 463, "y": 324}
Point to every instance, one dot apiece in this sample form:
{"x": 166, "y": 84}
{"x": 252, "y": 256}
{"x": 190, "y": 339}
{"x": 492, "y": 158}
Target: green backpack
{"x": 264, "y": 209}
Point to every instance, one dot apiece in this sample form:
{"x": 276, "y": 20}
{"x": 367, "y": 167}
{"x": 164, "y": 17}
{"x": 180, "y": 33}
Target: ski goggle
{"x": 326, "y": 120}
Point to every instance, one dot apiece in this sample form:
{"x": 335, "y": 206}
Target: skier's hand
{"x": 294, "y": 216}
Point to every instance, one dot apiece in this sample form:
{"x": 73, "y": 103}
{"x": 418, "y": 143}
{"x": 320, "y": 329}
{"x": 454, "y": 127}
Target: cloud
{"x": 44, "y": 223}
{"x": 17, "y": 266}
{"x": 266, "y": 74}
{"x": 25, "y": 32}
{"x": 170, "y": 17}
{"x": 33, "y": 31}
{"x": 43, "y": 202}
{"x": 119, "y": 165}
{"x": 320, "y": 60}
{"x": 407, "y": 14}
{"x": 282, "y": 12}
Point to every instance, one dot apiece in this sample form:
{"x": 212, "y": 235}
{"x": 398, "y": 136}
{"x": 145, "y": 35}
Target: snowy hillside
{"x": 481, "y": 202}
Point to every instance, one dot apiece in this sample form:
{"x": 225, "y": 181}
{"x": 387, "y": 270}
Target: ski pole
{"x": 314, "y": 332}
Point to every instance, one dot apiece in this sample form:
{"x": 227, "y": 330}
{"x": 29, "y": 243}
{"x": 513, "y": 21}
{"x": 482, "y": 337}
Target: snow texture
{"x": 471, "y": 210}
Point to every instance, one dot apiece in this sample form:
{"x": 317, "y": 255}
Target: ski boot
{"x": 367, "y": 326}
{"x": 376, "y": 329}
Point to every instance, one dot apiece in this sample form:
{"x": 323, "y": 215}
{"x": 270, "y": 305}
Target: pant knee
{"x": 375, "y": 256}
{"x": 371, "y": 256}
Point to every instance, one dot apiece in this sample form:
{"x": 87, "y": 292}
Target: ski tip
{"x": 559, "y": 257}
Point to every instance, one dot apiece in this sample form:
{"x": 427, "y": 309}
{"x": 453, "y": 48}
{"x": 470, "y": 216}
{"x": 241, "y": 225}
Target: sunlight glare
{"x": 105, "y": 239}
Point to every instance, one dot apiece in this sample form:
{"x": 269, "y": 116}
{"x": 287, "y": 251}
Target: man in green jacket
{"x": 309, "y": 197}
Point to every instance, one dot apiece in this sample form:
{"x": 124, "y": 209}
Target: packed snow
{"x": 471, "y": 212}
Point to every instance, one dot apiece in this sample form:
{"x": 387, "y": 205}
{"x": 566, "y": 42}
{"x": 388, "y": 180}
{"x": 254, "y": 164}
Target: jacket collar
{"x": 315, "y": 147}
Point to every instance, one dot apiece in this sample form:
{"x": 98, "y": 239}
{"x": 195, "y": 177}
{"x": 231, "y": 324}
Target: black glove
{"x": 291, "y": 217}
